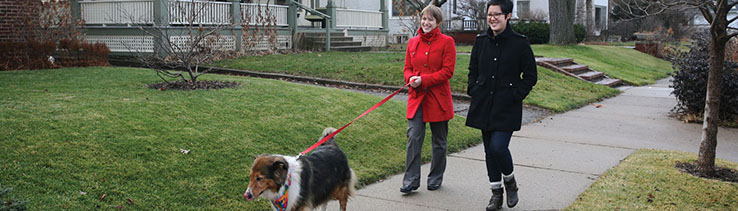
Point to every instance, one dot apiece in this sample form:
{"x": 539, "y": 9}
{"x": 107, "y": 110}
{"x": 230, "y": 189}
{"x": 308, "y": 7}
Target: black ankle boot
{"x": 495, "y": 203}
{"x": 512, "y": 193}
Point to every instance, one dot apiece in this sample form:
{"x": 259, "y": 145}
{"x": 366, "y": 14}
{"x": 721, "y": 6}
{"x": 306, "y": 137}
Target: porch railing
{"x": 117, "y": 12}
{"x": 351, "y": 18}
{"x": 251, "y": 12}
{"x": 199, "y": 12}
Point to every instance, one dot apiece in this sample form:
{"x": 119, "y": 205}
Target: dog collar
{"x": 280, "y": 202}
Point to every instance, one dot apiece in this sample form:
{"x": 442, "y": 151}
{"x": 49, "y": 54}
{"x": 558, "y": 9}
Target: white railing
{"x": 257, "y": 14}
{"x": 350, "y": 18}
{"x": 199, "y": 12}
{"x": 117, "y": 12}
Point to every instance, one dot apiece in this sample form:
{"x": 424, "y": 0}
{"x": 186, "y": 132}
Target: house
{"x": 11, "y": 15}
{"x": 538, "y": 10}
{"x": 116, "y": 22}
{"x": 458, "y": 19}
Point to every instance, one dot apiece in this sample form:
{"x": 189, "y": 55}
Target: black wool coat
{"x": 502, "y": 71}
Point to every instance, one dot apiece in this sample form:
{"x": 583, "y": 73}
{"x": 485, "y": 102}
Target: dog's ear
{"x": 279, "y": 169}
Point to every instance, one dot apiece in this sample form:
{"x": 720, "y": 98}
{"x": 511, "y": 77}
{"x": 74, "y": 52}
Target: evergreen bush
{"x": 537, "y": 32}
{"x": 690, "y": 82}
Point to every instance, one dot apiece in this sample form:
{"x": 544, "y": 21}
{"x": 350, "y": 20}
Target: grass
{"x": 626, "y": 64}
{"x": 648, "y": 180}
{"x": 629, "y": 65}
{"x": 87, "y": 138}
{"x": 553, "y": 91}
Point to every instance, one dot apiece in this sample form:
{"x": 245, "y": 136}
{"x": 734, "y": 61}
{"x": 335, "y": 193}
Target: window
{"x": 524, "y": 9}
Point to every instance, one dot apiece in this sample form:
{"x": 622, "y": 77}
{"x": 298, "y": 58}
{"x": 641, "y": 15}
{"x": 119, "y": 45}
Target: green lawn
{"x": 648, "y": 180}
{"x": 553, "y": 91}
{"x": 626, "y": 64}
{"x": 71, "y": 136}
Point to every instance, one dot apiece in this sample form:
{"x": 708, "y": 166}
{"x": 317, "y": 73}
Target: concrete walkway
{"x": 556, "y": 159}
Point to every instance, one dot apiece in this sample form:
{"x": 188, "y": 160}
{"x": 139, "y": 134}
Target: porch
{"x": 119, "y": 23}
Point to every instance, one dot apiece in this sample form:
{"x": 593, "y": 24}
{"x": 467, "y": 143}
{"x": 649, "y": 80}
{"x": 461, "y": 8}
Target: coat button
{"x": 426, "y": 53}
{"x": 491, "y": 92}
{"x": 425, "y": 65}
{"x": 428, "y": 42}
{"x": 495, "y": 59}
{"x": 493, "y": 77}
{"x": 510, "y": 84}
{"x": 497, "y": 44}
{"x": 477, "y": 81}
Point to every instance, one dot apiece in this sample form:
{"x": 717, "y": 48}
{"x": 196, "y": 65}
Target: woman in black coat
{"x": 498, "y": 60}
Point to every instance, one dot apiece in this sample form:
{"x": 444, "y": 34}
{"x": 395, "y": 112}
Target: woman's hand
{"x": 415, "y": 81}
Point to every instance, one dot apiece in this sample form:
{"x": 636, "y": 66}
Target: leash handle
{"x": 329, "y": 136}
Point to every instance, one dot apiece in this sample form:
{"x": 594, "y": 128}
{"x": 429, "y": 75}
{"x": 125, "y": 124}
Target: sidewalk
{"x": 557, "y": 158}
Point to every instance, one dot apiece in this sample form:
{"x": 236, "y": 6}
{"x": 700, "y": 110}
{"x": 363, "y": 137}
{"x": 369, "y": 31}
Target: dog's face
{"x": 268, "y": 174}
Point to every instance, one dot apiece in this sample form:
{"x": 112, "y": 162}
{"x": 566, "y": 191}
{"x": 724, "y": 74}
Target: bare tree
{"x": 715, "y": 12}
{"x": 419, "y": 5}
{"x": 561, "y": 15}
{"x": 181, "y": 50}
{"x": 475, "y": 10}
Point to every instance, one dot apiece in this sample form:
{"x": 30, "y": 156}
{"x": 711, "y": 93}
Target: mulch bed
{"x": 186, "y": 85}
{"x": 722, "y": 174}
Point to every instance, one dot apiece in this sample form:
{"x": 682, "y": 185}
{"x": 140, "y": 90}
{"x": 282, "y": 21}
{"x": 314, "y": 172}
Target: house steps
{"x": 339, "y": 42}
{"x": 568, "y": 67}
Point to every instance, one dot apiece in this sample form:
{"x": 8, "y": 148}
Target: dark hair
{"x": 505, "y": 5}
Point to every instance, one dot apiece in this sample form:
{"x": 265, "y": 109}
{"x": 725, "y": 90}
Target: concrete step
{"x": 591, "y": 75}
{"x": 611, "y": 82}
{"x": 333, "y": 39}
{"x": 555, "y": 61}
{"x": 321, "y": 34}
{"x": 351, "y": 48}
{"x": 337, "y": 43}
{"x": 575, "y": 68}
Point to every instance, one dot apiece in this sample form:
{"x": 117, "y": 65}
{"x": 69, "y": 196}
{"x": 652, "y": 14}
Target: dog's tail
{"x": 327, "y": 132}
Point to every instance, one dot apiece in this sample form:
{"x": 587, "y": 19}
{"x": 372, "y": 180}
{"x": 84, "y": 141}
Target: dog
{"x": 305, "y": 182}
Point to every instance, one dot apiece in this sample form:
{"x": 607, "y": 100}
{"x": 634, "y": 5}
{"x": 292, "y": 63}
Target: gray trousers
{"x": 415, "y": 136}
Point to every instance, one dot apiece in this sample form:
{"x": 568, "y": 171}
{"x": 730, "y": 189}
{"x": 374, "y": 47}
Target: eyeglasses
{"x": 495, "y": 15}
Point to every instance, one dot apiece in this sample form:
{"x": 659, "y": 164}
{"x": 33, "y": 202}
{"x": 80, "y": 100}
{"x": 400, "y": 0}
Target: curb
{"x": 323, "y": 81}
{"x": 279, "y": 76}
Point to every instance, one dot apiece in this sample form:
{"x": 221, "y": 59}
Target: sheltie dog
{"x": 303, "y": 183}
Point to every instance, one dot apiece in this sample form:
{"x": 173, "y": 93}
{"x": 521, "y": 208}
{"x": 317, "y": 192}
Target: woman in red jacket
{"x": 429, "y": 64}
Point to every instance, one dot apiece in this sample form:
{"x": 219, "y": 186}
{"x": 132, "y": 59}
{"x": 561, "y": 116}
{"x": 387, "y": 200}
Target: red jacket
{"x": 432, "y": 56}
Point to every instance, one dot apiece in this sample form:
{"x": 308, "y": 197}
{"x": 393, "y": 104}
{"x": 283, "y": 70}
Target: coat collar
{"x": 505, "y": 33}
{"x": 430, "y": 36}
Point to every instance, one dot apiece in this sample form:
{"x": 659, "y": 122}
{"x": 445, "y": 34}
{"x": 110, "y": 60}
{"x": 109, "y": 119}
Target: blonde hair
{"x": 433, "y": 11}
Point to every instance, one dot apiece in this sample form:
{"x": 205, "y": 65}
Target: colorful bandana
{"x": 280, "y": 203}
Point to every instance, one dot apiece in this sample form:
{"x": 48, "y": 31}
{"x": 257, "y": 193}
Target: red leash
{"x": 326, "y": 138}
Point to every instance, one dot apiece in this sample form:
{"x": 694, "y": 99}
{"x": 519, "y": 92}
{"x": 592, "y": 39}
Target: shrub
{"x": 690, "y": 82}
{"x": 537, "y": 32}
{"x": 580, "y": 32}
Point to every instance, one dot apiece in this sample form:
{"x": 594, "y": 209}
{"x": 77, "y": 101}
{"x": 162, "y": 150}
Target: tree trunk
{"x": 590, "y": 18}
{"x": 561, "y": 15}
{"x": 718, "y": 32}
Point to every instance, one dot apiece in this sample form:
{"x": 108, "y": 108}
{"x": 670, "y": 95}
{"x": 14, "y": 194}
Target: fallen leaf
{"x": 596, "y": 105}
{"x": 184, "y": 151}
{"x": 130, "y": 201}
{"x": 714, "y": 200}
{"x": 102, "y": 198}
{"x": 650, "y": 195}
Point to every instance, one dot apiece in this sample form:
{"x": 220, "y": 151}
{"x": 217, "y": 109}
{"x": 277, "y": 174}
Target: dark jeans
{"x": 497, "y": 155}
